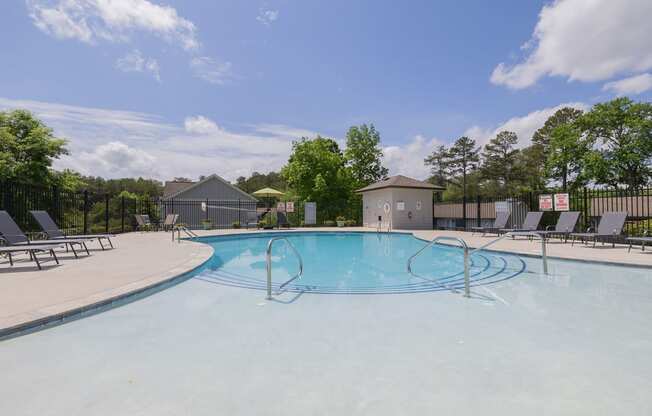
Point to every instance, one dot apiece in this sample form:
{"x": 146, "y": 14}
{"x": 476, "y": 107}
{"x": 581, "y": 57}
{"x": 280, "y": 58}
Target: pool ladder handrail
{"x": 465, "y": 247}
{"x": 268, "y": 258}
{"x": 186, "y": 231}
{"x": 468, "y": 254}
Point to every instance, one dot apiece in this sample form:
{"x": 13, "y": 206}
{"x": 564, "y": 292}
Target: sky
{"x": 189, "y": 88}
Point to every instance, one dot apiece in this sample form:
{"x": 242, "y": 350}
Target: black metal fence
{"x": 86, "y": 212}
{"x": 590, "y": 202}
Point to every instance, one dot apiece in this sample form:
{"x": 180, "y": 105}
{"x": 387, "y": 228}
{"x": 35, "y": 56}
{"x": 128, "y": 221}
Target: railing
{"x": 268, "y": 255}
{"x": 185, "y": 230}
{"x": 467, "y": 289}
{"x": 468, "y": 254}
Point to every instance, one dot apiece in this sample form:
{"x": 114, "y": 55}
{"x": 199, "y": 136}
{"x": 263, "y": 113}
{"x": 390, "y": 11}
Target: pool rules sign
{"x": 561, "y": 202}
{"x": 545, "y": 202}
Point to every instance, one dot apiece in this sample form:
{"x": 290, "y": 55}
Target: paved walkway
{"x": 142, "y": 260}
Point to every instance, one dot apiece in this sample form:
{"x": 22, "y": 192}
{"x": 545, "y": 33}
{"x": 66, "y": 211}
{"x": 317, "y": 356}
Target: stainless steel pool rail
{"x": 185, "y": 230}
{"x": 465, "y": 247}
{"x": 468, "y": 253}
{"x": 268, "y": 255}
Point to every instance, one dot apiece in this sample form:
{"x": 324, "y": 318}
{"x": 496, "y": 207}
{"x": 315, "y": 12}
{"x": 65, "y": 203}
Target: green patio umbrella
{"x": 268, "y": 193}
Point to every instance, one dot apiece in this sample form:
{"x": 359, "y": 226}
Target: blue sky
{"x": 141, "y": 87}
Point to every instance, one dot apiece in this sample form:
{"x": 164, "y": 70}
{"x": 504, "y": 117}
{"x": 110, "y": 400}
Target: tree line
{"x": 609, "y": 145}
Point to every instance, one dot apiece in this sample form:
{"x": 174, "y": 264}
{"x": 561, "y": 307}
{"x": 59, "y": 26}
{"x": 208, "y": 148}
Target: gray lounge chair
{"x": 170, "y": 221}
{"x": 643, "y": 240}
{"x": 610, "y": 226}
{"x": 282, "y": 220}
{"x": 531, "y": 223}
{"x": 143, "y": 223}
{"x": 32, "y": 249}
{"x": 13, "y": 236}
{"x": 565, "y": 225}
{"x": 499, "y": 223}
{"x": 53, "y": 232}
{"x": 252, "y": 219}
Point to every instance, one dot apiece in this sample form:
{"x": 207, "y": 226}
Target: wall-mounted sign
{"x": 545, "y": 202}
{"x": 562, "y": 202}
{"x": 400, "y": 206}
{"x": 280, "y": 206}
{"x": 501, "y": 206}
{"x": 418, "y": 205}
{"x": 289, "y": 206}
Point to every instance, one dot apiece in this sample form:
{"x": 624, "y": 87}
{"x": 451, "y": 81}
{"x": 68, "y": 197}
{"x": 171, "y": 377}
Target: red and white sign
{"x": 545, "y": 202}
{"x": 289, "y": 206}
{"x": 562, "y": 202}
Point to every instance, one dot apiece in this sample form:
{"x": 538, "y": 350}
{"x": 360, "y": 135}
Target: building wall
{"x": 411, "y": 218}
{"x": 372, "y": 207}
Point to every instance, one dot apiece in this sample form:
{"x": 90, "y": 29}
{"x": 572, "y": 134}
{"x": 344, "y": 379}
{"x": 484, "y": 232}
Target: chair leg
{"x": 54, "y": 256}
{"x": 38, "y": 264}
{"x": 110, "y": 243}
{"x": 11, "y": 260}
{"x": 630, "y": 247}
{"x": 73, "y": 249}
{"x": 99, "y": 240}
{"x": 86, "y": 248}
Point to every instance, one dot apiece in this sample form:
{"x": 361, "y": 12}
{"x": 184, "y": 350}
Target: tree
{"x": 621, "y": 133}
{"x": 364, "y": 156}
{"x": 563, "y": 116}
{"x": 27, "y": 148}
{"x": 567, "y": 149}
{"x": 260, "y": 180}
{"x": 462, "y": 159}
{"x": 316, "y": 172}
{"x": 438, "y": 162}
{"x": 531, "y": 163}
{"x": 500, "y": 159}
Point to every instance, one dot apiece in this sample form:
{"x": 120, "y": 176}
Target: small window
{"x": 400, "y": 206}
{"x": 418, "y": 205}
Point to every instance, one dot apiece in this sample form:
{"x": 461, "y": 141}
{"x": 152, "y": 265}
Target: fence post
{"x": 586, "y": 210}
{"x": 106, "y": 213}
{"x": 479, "y": 214}
{"x": 56, "y": 206}
{"x": 464, "y": 209}
{"x": 122, "y": 213}
{"x": 86, "y": 211}
{"x": 206, "y": 209}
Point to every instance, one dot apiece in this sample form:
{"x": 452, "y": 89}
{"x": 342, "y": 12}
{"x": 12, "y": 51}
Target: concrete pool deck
{"x": 29, "y": 297}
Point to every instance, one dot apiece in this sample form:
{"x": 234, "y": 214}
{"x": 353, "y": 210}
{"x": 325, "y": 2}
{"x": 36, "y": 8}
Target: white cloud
{"x": 281, "y": 130}
{"x": 112, "y": 20}
{"x": 211, "y": 70}
{"x": 523, "y": 126}
{"x": 585, "y": 40}
{"x": 408, "y": 159}
{"x": 115, "y": 159}
{"x": 267, "y": 16}
{"x": 632, "y": 85}
{"x": 200, "y": 125}
{"x": 135, "y": 62}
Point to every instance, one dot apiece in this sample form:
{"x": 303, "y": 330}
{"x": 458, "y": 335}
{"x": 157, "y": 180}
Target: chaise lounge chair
{"x": 610, "y": 226}
{"x": 13, "y": 236}
{"x": 643, "y": 240}
{"x": 531, "y": 223}
{"x": 565, "y": 225}
{"x": 170, "y": 222}
{"x": 499, "y": 223}
{"x": 282, "y": 220}
{"x": 143, "y": 223}
{"x": 53, "y": 232}
{"x": 252, "y": 219}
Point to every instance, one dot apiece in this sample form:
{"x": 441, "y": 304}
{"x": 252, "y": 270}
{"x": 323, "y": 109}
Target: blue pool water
{"x": 352, "y": 263}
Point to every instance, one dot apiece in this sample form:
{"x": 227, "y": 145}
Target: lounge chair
{"x": 170, "y": 222}
{"x": 53, "y": 232}
{"x": 252, "y": 219}
{"x": 13, "y": 236}
{"x": 565, "y": 225}
{"x": 32, "y": 249}
{"x": 611, "y": 225}
{"x": 646, "y": 238}
{"x": 499, "y": 223}
{"x": 531, "y": 223}
{"x": 143, "y": 223}
{"x": 282, "y": 220}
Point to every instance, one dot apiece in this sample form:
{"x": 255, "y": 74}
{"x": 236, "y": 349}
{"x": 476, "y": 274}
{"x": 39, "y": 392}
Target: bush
{"x": 340, "y": 218}
{"x": 350, "y": 223}
{"x": 329, "y": 223}
{"x": 236, "y": 224}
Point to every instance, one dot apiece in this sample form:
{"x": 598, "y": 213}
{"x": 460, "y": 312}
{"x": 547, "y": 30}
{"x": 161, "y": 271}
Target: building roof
{"x": 400, "y": 181}
{"x": 174, "y": 187}
{"x": 184, "y": 186}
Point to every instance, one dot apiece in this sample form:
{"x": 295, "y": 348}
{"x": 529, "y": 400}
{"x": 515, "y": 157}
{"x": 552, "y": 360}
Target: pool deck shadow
{"x": 139, "y": 261}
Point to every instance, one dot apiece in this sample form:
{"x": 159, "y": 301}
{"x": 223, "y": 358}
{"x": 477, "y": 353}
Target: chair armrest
{"x": 549, "y": 227}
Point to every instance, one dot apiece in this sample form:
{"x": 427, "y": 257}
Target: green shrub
{"x": 329, "y": 223}
{"x": 236, "y": 224}
{"x": 340, "y": 218}
{"x": 350, "y": 223}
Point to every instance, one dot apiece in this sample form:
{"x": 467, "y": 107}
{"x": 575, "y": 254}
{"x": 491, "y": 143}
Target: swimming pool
{"x": 352, "y": 263}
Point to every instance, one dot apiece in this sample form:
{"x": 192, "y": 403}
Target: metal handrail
{"x": 544, "y": 254}
{"x": 187, "y": 231}
{"x": 467, "y": 288}
{"x": 268, "y": 255}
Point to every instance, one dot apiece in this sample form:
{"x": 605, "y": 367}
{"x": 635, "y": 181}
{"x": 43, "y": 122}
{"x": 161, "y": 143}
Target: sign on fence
{"x": 501, "y": 206}
{"x": 545, "y": 202}
{"x": 561, "y": 202}
{"x": 280, "y": 206}
{"x": 310, "y": 213}
{"x": 289, "y": 206}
